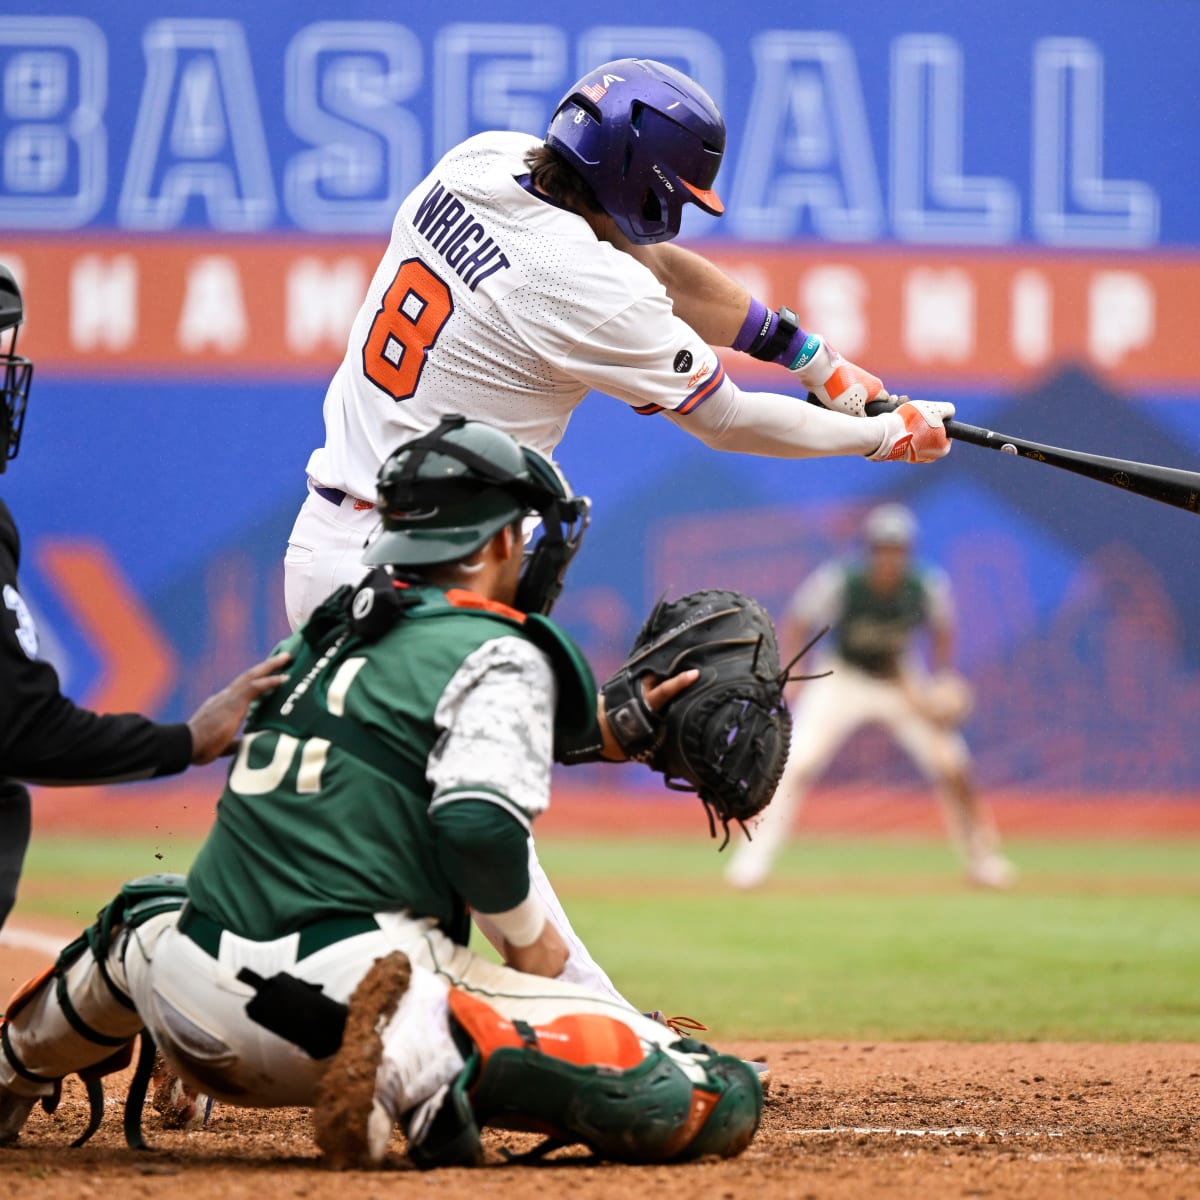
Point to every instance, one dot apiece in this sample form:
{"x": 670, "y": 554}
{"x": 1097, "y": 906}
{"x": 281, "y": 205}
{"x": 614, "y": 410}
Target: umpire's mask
{"x": 15, "y": 372}
{"x": 444, "y": 494}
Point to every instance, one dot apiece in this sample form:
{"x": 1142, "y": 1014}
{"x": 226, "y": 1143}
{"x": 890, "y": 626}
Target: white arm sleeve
{"x": 777, "y": 426}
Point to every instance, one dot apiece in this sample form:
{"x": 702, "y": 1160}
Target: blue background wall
{"x": 1079, "y": 604}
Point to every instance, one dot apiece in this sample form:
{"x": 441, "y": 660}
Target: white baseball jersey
{"x": 497, "y": 303}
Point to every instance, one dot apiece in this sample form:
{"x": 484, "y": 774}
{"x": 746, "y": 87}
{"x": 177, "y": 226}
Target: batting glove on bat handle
{"x": 878, "y": 407}
{"x": 835, "y": 382}
{"x": 914, "y": 432}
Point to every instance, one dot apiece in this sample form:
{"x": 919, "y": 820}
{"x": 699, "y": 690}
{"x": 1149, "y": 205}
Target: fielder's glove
{"x": 945, "y": 699}
{"x": 724, "y": 737}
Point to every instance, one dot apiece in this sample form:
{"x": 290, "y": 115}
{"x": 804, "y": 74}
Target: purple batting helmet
{"x": 646, "y": 139}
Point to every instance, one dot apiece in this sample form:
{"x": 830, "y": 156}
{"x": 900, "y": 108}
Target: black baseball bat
{"x": 1168, "y": 485}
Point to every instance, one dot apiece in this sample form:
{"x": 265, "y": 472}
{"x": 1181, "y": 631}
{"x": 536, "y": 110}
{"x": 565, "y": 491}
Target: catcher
{"x": 317, "y": 953}
{"x": 876, "y": 611}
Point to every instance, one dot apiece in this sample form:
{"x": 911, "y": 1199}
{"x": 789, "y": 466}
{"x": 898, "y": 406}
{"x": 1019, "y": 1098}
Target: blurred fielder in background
{"x": 877, "y": 610}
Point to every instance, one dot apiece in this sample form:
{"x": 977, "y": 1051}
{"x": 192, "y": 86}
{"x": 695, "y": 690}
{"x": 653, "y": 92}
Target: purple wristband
{"x": 759, "y": 324}
{"x": 761, "y": 336}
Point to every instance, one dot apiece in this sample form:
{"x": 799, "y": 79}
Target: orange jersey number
{"x": 415, "y": 307}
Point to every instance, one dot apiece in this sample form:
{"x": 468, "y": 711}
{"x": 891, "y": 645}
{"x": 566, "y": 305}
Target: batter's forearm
{"x": 777, "y": 426}
{"x": 703, "y": 296}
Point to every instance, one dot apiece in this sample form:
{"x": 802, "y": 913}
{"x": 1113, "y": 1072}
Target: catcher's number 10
{"x": 411, "y": 314}
{"x": 260, "y": 781}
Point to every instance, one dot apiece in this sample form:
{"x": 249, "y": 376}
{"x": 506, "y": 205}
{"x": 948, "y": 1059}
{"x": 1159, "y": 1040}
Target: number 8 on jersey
{"x": 411, "y": 315}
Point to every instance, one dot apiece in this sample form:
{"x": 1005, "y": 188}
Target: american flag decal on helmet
{"x": 595, "y": 92}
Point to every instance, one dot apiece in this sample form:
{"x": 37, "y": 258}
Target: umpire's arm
{"x": 46, "y": 738}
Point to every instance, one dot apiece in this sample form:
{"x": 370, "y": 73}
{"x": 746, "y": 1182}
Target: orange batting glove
{"x": 915, "y": 432}
{"x": 836, "y": 383}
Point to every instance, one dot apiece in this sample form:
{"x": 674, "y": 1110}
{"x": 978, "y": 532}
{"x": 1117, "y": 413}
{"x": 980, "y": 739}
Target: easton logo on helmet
{"x": 683, "y": 362}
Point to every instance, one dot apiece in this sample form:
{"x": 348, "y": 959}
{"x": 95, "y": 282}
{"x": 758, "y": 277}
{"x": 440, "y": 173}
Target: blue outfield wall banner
{"x": 980, "y": 124}
{"x": 992, "y": 203}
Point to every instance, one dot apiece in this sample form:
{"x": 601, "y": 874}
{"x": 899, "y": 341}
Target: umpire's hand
{"x": 215, "y": 723}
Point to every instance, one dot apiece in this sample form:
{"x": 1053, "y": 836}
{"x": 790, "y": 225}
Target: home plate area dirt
{"x": 841, "y": 1120}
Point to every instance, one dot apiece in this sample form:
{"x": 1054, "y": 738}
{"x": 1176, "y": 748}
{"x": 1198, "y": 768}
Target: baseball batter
{"x": 877, "y": 610}
{"x": 388, "y": 785}
{"x": 522, "y": 273}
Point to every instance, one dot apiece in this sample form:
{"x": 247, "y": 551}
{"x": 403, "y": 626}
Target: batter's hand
{"x": 915, "y": 432}
{"x": 215, "y": 723}
{"x": 836, "y": 383}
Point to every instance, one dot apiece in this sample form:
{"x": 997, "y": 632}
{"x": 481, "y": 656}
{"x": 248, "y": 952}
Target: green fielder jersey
{"x": 874, "y": 629}
{"x": 326, "y": 810}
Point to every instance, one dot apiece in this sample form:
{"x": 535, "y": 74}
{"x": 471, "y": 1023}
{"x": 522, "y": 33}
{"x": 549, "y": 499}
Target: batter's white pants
{"x": 829, "y": 711}
{"x": 195, "y": 1007}
{"x": 324, "y": 552}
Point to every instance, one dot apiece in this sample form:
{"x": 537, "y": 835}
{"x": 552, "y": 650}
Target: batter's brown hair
{"x": 558, "y": 179}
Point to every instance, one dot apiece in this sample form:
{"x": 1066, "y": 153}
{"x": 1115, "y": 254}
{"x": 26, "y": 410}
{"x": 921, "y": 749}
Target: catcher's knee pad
{"x": 76, "y": 1015}
{"x": 587, "y": 1078}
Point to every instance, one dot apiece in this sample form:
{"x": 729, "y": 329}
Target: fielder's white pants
{"x": 324, "y": 553}
{"x": 828, "y": 712}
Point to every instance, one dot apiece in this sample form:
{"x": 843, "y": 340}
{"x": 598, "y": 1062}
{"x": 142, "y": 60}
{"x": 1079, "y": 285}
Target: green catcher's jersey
{"x": 326, "y": 810}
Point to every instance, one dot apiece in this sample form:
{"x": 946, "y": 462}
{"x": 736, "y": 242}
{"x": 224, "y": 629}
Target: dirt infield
{"x": 842, "y": 1120}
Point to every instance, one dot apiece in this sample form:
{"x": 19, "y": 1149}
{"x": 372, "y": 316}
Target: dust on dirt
{"x": 842, "y": 1120}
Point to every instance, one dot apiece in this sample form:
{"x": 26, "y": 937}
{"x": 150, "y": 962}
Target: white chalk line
{"x": 31, "y": 939}
{"x": 949, "y": 1131}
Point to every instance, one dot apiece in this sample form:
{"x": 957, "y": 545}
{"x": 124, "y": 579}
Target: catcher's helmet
{"x": 17, "y": 371}
{"x": 646, "y": 139}
{"x": 444, "y": 494}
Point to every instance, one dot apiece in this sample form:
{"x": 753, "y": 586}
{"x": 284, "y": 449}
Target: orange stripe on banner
{"x": 283, "y": 307}
{"x": 138, "y": 666}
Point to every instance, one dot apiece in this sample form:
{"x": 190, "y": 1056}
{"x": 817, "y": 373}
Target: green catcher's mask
{"x": 444, "y": 494}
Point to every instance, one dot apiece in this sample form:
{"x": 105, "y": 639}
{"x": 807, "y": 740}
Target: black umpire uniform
{"x": 43, "y": 736}
{"x": 46, "y": 738}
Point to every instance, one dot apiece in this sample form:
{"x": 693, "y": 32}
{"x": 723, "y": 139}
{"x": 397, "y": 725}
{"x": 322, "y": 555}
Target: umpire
{"x": 44, "y": 737}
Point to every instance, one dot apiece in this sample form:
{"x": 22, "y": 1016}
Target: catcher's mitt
{"x": 724, "y": 737}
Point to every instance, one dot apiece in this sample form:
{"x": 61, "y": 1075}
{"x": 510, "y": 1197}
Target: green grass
{"x": 852, "y": 939}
